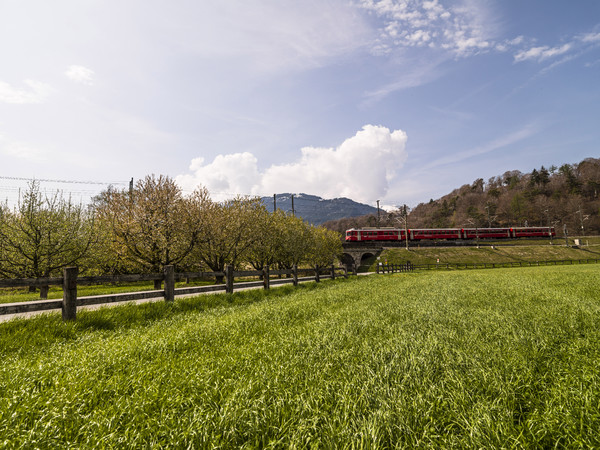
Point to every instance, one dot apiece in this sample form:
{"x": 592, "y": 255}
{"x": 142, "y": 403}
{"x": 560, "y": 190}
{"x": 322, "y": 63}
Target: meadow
{"x": 490, "y": 252}
{"x": 475, "y": 359}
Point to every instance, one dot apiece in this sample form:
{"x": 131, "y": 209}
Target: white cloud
{"x": 36, "y": 92}
{"x": 267, "y": 36}
{"x": 461, "y": 30}
{"x": 360, "y": 168}
{"x": 415, "y": 73}
{"x": 591, "y": 37}
{"x": 226, "y": 176}
{"x": 80, "y": 74}
{"x": 541, "y": 53}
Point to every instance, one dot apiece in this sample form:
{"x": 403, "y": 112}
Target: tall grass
{"x": 500, "y": 358}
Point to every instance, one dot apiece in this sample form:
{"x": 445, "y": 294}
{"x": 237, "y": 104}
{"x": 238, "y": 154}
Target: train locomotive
{"x": 424, "y": 234}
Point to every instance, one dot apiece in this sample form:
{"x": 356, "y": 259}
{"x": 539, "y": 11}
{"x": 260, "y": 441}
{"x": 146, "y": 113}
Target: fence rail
{"x": 70, "y": 280}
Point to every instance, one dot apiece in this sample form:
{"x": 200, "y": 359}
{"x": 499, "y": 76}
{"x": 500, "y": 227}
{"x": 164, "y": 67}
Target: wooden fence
{"x": 70, "y": 280}
{"x": 408, "y": 267}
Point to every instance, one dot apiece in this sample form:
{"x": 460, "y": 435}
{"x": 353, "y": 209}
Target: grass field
{"x": 486, "y": 254}
{"x": 477, "y": 359}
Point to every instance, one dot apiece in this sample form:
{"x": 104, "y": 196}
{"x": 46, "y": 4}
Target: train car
{"x": 418, "y": 234}
{"x": 523, "y": 232}
{"x": 375, "y": 234}
{"x": 486, "y": 233}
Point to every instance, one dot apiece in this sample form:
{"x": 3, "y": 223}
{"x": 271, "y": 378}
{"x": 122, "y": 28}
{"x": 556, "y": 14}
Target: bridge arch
{"x": 365, "y": 256}
{"x": 357, "y": 256}
{"x": 347, "y": 259}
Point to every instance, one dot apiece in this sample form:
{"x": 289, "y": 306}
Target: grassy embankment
{"x": 485, "y": 358}
{"x": 522, "y": 251}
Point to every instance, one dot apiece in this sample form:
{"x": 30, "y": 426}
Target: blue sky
{"x": 393, "y": 100}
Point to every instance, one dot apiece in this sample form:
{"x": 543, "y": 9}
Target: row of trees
{"x": 150, "y": 226}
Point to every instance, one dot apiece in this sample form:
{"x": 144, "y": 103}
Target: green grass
{"x": 14, "y": 295}
{"x": 478, "y": 359}
{"x": 485, "y": 254}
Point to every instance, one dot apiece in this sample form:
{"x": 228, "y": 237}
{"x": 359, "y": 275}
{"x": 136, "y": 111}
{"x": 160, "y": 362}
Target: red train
{"x": 418, "y": 234}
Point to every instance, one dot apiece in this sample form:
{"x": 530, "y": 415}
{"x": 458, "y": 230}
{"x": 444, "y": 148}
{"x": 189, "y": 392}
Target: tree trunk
{"x": 44, "y": 292}
{"x": 157, "y": 285}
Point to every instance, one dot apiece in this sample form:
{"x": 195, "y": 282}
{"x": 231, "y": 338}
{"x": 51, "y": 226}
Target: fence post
{"x": 317, "y": 275}
{"x": 332, "y": 272}
{"x": 295, "y": 274}
{"x": 266, "y": 277}
{"x": 69, "y": 305}
{"x": 169, "y": 272}
{"x": 229, "y": 279}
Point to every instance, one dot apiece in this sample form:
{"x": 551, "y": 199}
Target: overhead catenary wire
{"x": 46, "y": 180}
{"x": 14, "y": 192}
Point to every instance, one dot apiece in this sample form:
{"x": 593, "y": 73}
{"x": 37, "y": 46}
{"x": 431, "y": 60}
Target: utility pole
{"x": 378, "y": 216}
{"x": 406, "y": 226}
{"x": 487, "y": 207}
{"x": 130, "y": 195}
{"x": 274, "y": 202}
{"x": 473, "y": 222}
{"x": 549, "y": 224}
{"x": 566, "y": 235}
{"x": 293, "y": 210}
{"x": 581, "y": 219}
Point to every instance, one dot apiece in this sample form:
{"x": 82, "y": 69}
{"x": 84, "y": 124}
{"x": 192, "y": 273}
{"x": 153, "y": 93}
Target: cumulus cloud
{"x": 360, "y": 168}
{"x": 80, "y": 74}
{"x": 35, "y": 92}
{"x": 225, "y": 176}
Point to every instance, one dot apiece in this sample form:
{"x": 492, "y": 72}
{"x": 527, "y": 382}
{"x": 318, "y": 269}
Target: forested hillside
{"x": 565, "y": 196}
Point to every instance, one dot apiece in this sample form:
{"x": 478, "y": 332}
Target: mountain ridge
{"x": 317, "y": 210}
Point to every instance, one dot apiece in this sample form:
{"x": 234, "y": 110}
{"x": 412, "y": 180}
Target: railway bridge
{"x": 356, "y": 252}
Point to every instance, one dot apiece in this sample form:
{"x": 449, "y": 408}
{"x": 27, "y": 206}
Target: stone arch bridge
{"x": 357, "y": 253}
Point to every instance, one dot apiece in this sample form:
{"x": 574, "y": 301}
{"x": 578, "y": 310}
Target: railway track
{"x": 433, "y": 243}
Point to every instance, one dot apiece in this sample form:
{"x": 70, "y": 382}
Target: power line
{"x": 14, "y": 192}
{"x": 45, "y": 180}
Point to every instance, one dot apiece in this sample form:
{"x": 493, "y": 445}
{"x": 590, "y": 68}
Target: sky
{"x": 400, "y": 101}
